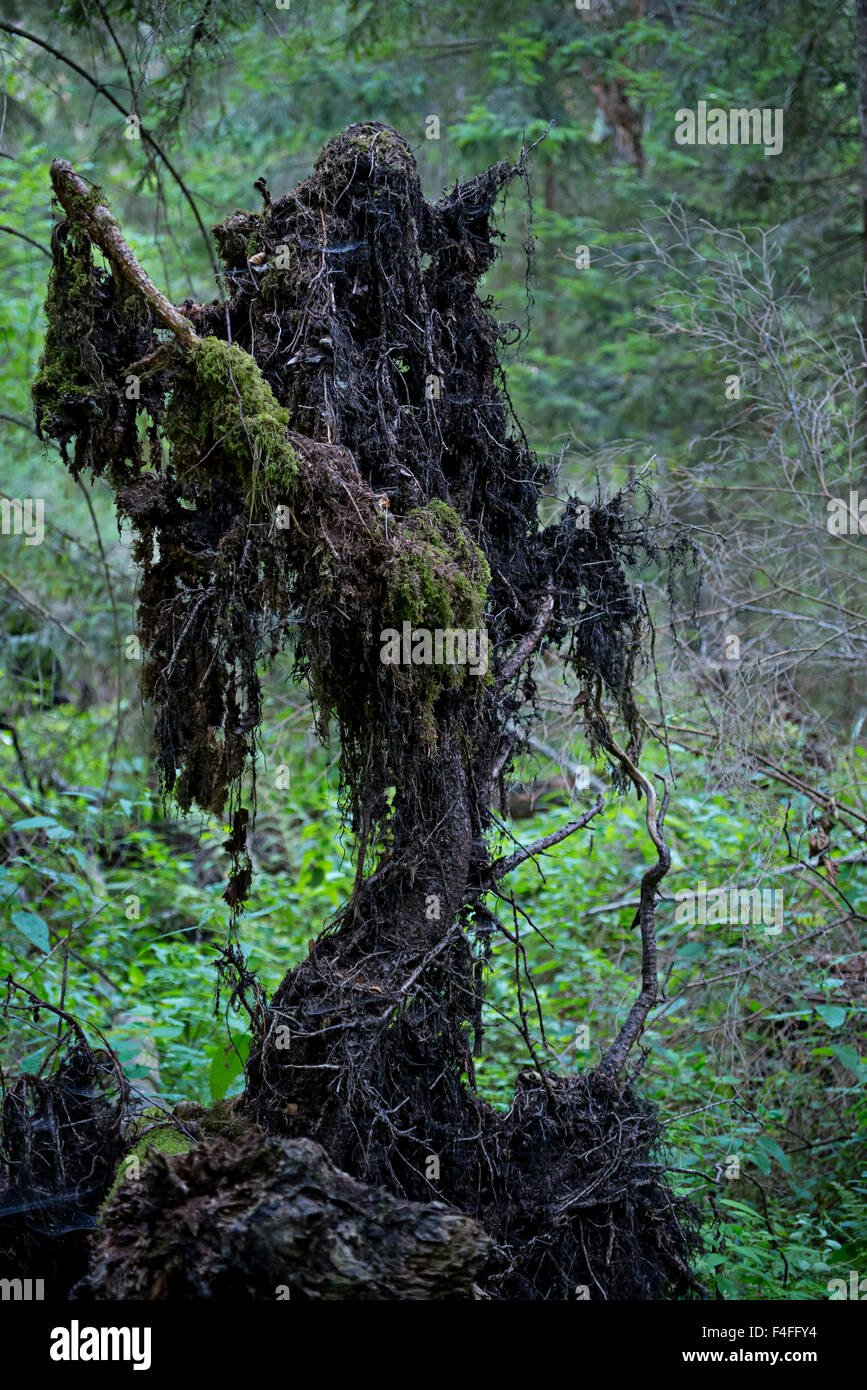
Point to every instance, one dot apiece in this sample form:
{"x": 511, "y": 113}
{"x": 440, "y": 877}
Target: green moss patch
{"x": 441, "y": 577}
{"x": 228, "y": 412}
{"x": 165, "y": 1138}
{"x": 159, "y": 1133}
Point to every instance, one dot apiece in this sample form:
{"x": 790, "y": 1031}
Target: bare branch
{"x": 103, "y": 229}
{"x": 39, "y": 610}
{"x": 14, "y": 420}
{"x": 515, "y": 660}
{"x": 100, "y": 87}
{"x": 10, "y": 231}
{"x": 615, "y": 1058}
{"x": 507, "y": 863}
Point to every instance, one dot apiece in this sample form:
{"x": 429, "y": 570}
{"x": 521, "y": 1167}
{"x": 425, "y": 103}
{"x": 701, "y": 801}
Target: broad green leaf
{"x": 849, "y": 1057}
{"x": 833, "y": 1014}
{"x": 226, "y": 1064}
{"x": 772, "y": 1147}
{"x": 34, "y": 927}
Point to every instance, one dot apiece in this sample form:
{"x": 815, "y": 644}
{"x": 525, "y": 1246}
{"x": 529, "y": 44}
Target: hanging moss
{"x": 67, "y": 386}
{"x": 94, "y": 325}
{"x": 361, "y": 290}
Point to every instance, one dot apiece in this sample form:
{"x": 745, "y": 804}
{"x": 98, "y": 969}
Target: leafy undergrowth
{"x": 142, "y": 899}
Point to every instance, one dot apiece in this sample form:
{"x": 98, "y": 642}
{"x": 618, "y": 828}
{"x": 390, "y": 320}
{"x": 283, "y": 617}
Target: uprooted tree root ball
{"x": 63, "y": 1132}
{"x": 581, "y": 1206}
{"x": 330, "y": 455}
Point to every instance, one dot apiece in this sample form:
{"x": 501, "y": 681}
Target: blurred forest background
{"x": 689, "y": 318}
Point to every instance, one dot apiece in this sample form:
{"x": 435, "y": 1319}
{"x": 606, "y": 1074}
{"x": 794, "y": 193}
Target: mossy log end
{"x": 273, "y": 1218}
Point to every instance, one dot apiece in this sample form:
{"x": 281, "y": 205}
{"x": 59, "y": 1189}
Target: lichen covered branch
{"x": 82, "y": 204}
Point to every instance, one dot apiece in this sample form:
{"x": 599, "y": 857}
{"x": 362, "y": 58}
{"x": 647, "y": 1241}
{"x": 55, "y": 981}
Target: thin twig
{"x": 100, "y": 87}
{"x": 38, "y": 609}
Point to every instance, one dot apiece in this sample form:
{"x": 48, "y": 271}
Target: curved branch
{"x": 613, "y": 1061}
{"x": 11, "y": 231}
{"x": 615, "y": 1058}
{"x": 13, "y": 420}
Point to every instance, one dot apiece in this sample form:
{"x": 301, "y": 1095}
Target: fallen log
{"x": 265, "y": 1218}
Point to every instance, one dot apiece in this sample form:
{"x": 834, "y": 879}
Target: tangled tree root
{"x": 567, "y": 1201}
{"x": 342, "y": 459}
{"x": 62, "y": 1135}
{"x": 582, "y": 1209}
